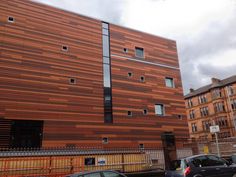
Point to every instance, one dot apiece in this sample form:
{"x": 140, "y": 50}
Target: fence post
{"x": 71, "y": 165}
{"x": 123, "y": 162}
{"x": 50, "y": 165}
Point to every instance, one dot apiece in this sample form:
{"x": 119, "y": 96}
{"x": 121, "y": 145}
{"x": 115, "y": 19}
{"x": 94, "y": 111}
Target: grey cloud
{"x": 215, "y": 39}
{"x": 217, "y": 71}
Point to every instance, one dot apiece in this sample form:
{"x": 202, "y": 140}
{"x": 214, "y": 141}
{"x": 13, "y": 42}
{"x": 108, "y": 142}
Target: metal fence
{"x": 60, "y": 161}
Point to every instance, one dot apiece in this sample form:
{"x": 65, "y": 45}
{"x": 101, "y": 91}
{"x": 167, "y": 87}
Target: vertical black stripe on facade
{"x": 108, "y": 114}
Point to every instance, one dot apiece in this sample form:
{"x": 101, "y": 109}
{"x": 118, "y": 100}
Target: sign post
{"x": 215, "y": 129}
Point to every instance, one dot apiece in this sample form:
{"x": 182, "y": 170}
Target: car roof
{"x": 194, "y": 156}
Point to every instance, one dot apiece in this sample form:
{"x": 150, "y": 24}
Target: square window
{"x": 72, "y": 81}
{"x": 105, "y": 140}
{"x": 65, "y": 48}
{"x": 139, "y": 52}
{"x": 129, "y": 113}
{"x": 159, "y": 109}
{"x": 11, "y": 19}
{"x": 142, "y": 78}
{"x": 169, "y": 82}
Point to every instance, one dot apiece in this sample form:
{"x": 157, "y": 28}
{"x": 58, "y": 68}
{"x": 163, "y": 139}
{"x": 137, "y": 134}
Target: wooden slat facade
{"x": 35, "y": 74}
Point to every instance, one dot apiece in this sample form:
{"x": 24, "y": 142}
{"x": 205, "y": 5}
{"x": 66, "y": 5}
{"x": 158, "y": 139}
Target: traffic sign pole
{"x": 217, "y": 144}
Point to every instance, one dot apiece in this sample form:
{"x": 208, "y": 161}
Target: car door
{"x": 221, "y": 167}
{"x": 203, "y": 167}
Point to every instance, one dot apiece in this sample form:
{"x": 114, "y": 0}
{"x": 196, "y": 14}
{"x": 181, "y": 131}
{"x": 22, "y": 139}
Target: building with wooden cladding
{"x": 70, "y": 80}
{"x": 213, "y": 104}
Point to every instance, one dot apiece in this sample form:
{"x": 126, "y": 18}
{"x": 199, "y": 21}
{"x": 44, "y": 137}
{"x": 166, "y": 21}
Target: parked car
{"x": 201, "y": 166}
{"x": 104, "y": 173}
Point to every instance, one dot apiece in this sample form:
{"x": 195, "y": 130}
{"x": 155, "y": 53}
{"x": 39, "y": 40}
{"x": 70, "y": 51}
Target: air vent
{"x": 72, "y": 81}
{"x": 65, "y": 48}
{"x": 11, "y": 19}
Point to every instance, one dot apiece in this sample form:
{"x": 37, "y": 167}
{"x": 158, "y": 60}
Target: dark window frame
{"x": 141, "y": 50}
{"x": 162, "y": 106}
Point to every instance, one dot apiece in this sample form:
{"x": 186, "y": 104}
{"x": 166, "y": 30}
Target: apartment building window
{"x": 202, "y": 99}
{"x": 221, "y": 121}
{"x": 216, "y": 93}
{"x": 233, "y": 104}
{"x": 191, "y": 114}
{"x": 219, "y": 107}
{"x": 230, "y": 90}
{"x": 204, "y": 111}
{"x": 194, "y": 127}
{"x": 206, "y": 125}
{"x": 190, "y": 103}
{"x": 224, "y": 135}
{"x": 169, "y": 82}
{"x": 159, "y": 109}
{"x": 139, "y": 52}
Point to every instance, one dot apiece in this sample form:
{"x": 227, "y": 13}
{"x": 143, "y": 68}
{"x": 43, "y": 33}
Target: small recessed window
{"x": 72, "y": 81}
{"x": 65, "y": 48}
{"x": 142, "y": 78}
{"x": 130, "y": 74}
{"x": 105, "y": 140}
{"x": 145, "y": 111}
{"x": 125, "y": 50}
{"x": 129, "y": 113}
{"x": 180, "y": 116}
{"x": 159, "y": 109}
{"x": 169, "y": 82}
{"x": 11, "y": 19}
{"x": 139, "y": 52}
{"x": 141, "y": 146}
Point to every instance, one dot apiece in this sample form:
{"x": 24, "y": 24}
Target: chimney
{"x": 215, "y": 80}
{"x": 191, "y": 90}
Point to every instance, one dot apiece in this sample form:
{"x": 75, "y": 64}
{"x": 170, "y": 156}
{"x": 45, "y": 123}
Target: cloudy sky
{"x": 205, "y": 30}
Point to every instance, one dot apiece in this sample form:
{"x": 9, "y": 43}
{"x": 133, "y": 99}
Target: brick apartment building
{"x": 69, "y": 80}
{"x": 213, "y": 104}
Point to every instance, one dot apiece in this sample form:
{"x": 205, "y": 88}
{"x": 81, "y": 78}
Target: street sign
{"x": 214, "y": 129}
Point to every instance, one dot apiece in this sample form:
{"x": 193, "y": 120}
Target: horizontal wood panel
{"x": 35, "y": 74}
